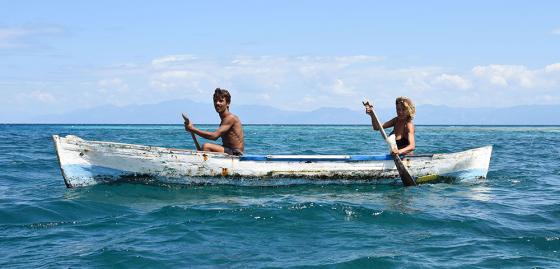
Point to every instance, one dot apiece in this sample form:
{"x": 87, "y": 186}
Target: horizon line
{"x": 293, "y": 124}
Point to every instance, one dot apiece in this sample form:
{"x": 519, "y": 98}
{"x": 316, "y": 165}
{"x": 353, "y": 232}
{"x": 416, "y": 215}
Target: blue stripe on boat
{"x": 86, "y": 171}
{"x": 370, "y": 157}
{"x": 350, "y": 158}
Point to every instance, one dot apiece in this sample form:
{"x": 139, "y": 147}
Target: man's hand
{"x": 188, "y": 124}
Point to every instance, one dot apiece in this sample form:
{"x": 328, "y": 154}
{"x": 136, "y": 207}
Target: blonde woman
{"x": 403, "y": 127}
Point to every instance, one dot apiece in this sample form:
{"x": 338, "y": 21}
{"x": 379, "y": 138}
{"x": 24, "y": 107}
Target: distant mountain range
{"x": 170, "y": 113}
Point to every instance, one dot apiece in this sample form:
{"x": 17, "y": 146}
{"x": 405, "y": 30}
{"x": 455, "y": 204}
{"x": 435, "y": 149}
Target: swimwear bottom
{"x": 235, "y": 152}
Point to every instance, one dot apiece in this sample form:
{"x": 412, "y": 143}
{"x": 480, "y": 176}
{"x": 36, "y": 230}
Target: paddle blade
{"x": 185, "y": 118}
{"x": 406, "y": 178}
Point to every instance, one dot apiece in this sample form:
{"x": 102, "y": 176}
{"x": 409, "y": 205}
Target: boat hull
{"x": 85, "y": 163}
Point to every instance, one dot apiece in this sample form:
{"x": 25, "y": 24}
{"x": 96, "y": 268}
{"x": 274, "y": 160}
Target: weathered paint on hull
{"x": 86, "y": 163}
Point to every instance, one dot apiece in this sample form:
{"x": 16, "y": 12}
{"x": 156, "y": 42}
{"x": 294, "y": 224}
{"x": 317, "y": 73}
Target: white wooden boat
{"x": 84, "y": 163}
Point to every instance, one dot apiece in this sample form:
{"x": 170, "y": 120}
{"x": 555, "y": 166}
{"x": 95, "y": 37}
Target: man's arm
{"x": 225, "y": 126}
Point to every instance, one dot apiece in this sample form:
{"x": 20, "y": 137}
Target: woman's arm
{"x": 386, "y": 125}
{"x": 369, "y": 111}
{"x": 390, "y": 123}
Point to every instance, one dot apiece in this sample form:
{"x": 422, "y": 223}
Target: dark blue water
{"x": 512, "y": 219}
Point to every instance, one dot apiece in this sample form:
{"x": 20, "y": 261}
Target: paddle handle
{"x": 406, "y": 178}
{"x": 196, "y": 142}
{"x": 187, "y": 121}
{"x": 376, "y": 119}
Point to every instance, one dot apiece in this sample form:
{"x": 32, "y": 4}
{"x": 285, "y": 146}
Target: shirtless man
{"x": 230, "y": 130}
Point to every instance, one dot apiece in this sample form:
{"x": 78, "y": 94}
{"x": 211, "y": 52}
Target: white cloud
{"x": 264, "y": 96}
{"x": 250, "y": 77}
{"x": 339, "y": 88}
{"x": 348, "y": 60}
{"x": 556, "y": 31}
{"x": 172, "y": 60}
{"x": 184, "y": 80}
{"x": 310, "y": 102}
{"x": 18, "y": 37}
{"x": 451, "y": 81}
{"x": 552, "y": 68}
{"x": 43, "y": 97}
{"x": 112, "y": 85}
{"x": 306, "y": 83}
{"x": 506, "y": 75}
{"x": 415, "y": 79}
{"x": 178, "y": 75}
{"x": 36, "y": 96}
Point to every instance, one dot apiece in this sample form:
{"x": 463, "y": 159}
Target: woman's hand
{"x": 369, "y": 107}
{"x": 369, "y": 110}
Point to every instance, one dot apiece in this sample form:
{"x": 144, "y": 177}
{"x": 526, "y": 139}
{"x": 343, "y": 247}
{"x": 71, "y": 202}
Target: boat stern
{"x": 470, "y": 165}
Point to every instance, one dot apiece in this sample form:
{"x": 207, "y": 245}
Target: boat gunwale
{"x": 71, "y": 143}
{"x": 269, "y": 157}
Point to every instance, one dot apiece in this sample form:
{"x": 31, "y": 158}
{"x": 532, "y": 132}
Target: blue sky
{"x": 59, "y": 56}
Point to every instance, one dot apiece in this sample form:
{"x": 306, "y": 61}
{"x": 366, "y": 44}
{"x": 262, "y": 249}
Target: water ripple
{"x": 510, "y": 219}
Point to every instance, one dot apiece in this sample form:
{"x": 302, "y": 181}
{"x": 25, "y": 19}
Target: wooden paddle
{"x": 192, "y": 134}
{"x": 406, "y": 178}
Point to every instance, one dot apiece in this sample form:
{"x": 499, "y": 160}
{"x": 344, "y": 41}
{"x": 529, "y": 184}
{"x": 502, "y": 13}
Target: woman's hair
{"x": 408, "y": 106}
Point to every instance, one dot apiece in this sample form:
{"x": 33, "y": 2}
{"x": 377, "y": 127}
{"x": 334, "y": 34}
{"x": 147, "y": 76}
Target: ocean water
{"x": 509, "y": 220}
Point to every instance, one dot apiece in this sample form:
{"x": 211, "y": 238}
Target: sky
{"x": 62, "y": 56}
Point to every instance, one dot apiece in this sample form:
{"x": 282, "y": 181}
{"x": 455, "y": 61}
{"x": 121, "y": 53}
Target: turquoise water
{"x": 510, "y": 220}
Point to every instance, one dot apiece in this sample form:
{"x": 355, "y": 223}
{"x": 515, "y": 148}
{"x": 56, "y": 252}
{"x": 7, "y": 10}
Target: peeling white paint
{"x": 90, "y": 162}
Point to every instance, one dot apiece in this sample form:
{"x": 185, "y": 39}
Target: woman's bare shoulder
{"x": 410, "y": 125}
